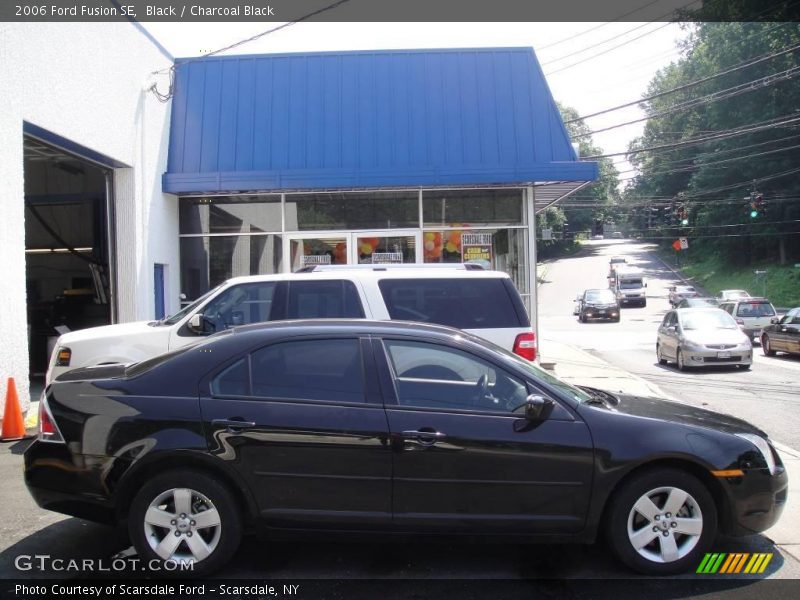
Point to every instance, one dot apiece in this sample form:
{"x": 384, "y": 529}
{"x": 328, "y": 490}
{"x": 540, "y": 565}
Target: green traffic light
{"x": 685, "y": 222}
{"x": 753, "y": 214}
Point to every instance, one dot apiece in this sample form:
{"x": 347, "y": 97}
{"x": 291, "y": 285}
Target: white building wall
{"x": 84, "y": 82}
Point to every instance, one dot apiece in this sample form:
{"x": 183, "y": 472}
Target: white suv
{"x": 752, "y": 314}
{"x": 484, "y": 303}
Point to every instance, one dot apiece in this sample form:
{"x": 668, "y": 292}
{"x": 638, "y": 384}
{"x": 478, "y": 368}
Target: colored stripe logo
{"x": 735, "y": 562}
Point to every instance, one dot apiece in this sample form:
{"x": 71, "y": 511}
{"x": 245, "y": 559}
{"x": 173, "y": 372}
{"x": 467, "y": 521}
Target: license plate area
{"x": 725, "y": 354}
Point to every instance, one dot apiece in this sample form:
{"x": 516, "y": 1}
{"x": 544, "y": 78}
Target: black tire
{"x": 679, "y": 360}
{"x": 581, "y": 318}
{"x": 205, "y": 491}
{"x": 661, "y": 359}
{"x": 616, "y": 320}
{"x": 765, "y": 346}
{"x": 698, "y": 504}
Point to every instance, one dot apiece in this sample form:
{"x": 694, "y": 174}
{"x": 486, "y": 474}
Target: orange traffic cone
{"x": 13, "y": 423}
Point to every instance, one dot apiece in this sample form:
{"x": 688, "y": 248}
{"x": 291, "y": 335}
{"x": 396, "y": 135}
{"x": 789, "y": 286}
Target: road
{"x": 768, "y": 395}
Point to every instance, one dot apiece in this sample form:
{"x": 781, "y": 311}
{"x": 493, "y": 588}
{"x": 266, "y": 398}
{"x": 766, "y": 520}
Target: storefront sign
{"x": 311, "y": 260}
{"x": 387, "y": 258}
{"x": 476, "y": 247}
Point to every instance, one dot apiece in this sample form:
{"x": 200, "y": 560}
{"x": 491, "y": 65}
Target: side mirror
{"x": 196, "y": 323}
{"x": 774, "y": 320}
{"x": 537, "y": 407}
{"x": 182, "y": 296}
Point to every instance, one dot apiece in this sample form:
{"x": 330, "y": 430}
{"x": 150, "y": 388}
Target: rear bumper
{"x": 64, "y": 483}
{"x": 757, "y": 501}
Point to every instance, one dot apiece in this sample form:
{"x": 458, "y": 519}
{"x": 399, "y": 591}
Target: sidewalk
{"x": 581, "y": 368}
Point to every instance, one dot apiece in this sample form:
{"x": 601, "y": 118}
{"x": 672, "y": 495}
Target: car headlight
{"x": 691, "y": 345}
{"x": 763, "y": 447}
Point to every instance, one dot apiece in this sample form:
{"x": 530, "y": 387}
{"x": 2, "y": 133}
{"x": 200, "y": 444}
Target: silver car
{"x": 698, "y": 337}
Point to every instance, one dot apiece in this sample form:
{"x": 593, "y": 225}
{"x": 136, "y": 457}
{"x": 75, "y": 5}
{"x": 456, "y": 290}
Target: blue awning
{"x": 349, "y": 120}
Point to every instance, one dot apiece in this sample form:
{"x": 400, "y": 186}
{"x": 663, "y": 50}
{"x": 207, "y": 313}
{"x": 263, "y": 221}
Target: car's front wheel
{"x": 185, "y": 517}
{"x": 679, "y": 361}
{"x": 662, "y": 521}
{"x": 766, "y": 347}
{"x": 661, "y": 359}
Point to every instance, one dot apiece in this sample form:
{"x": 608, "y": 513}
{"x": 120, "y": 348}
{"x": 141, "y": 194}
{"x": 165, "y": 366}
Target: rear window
{"x": 755, "y": 309}
{"x": 462, "y": 303}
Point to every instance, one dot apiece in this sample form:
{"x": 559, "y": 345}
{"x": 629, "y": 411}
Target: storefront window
{"x": 474, "y": 208}
{"x": 310, "y": 252}
{"x": 497, "y": 249}
{"x": 369, "y": 210}
{"x": 208, "y": 261}
{"x": 230, "y": 214}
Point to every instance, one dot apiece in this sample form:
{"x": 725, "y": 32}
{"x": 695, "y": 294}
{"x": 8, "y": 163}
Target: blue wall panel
{"x": 366, "y": 119}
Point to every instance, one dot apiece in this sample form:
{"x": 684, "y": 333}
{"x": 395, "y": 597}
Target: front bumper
{"x": 601, "y": 313}
{"x": 704, "y": 358}
{"x": 757, "y": 501}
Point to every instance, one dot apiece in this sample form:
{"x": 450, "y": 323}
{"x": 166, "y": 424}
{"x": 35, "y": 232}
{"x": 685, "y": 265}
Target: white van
{"x": 484, "y": 303}
{"x": 629, "y": 285}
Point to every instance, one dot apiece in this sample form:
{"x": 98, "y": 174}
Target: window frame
{"x": 371, "y": 391}
{"x": 389, "y": 379}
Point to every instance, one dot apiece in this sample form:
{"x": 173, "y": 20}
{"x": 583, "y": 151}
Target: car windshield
{"x": 712, "y": 319}
{"x": 755, "y": 309}
{"x": 600, "y": 296}
{"x": 187, "y": 309}
{"x": 629, "y": 284}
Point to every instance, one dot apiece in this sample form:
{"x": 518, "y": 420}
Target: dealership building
{"x": 121, "y": 203}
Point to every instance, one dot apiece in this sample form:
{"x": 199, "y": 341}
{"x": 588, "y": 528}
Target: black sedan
{"x": 601, "y": 303}
{"x": 783, "y": 335}
{"x": 389, "y": 428}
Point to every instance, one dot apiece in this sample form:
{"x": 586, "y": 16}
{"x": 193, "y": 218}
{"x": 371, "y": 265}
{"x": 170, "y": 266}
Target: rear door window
{"x": 462, "y": 303}
{"x": 336, "y": 299}
{"x": 327, "y": 370}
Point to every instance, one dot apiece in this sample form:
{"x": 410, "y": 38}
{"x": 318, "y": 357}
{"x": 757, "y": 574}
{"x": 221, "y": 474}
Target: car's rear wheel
{"x": 662, "y": 521}
{"x": 679, "y": 361}
{"x": 661, "y": 359}
{"x": 766, "y": 347}
{"x": 185, "y": 517}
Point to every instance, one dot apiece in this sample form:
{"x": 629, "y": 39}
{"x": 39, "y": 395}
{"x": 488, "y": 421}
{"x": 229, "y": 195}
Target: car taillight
{"x": 740, "y": 322}
{"x": 48, "y": 430}
{"x": 525, "y": 346}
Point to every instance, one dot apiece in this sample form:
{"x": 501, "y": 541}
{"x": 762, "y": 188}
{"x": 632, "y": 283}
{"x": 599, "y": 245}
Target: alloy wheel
{"x": 665, "y": 524}
{"x": 182, "y": 524}
{"x": 679, "y": 359}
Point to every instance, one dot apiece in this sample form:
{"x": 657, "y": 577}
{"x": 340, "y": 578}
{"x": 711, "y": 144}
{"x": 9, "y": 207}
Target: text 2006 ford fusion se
{"x": 390, "y": 428}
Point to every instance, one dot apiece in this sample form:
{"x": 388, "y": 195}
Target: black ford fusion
{"x": 389, "y": 428}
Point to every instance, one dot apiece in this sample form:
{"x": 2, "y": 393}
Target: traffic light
{"x": 758, "y": 206}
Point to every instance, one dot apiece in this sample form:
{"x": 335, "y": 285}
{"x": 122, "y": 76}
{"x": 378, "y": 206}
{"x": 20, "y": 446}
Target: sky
{"x": 589, "y": 66}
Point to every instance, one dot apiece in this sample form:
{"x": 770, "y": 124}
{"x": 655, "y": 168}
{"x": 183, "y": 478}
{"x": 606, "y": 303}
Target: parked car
{"x": 679, "y": 292}
{"x": 752, "y": 314}
{"x": 597, "y": 304}
{"x": 465, "y": 296}
{"x": 700, "y": 337}
{"x": 782, "y": 334}
{"x": 617, "y": 235}
{"x": 698, "y": 302}
{"x": 733, "y": 295}
{"x": 391, "y": 428}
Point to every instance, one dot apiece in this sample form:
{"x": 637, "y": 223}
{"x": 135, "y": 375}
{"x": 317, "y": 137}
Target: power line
{"x": 171, "y": 69}
{"x": 619, "y": 18}
{"x": 720, "y": 135}
{"x": 730, "y": 92}
{"x": 743, "y": 65}
{"x": 569, "y": 66}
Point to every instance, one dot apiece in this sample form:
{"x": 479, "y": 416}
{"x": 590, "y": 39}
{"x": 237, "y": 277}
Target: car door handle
{"x": 233, "y": 424}
{"x": 424, "y": 436}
